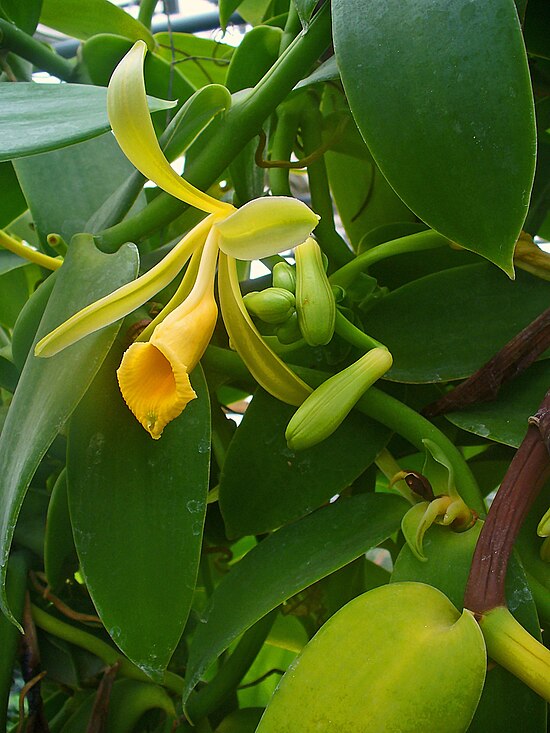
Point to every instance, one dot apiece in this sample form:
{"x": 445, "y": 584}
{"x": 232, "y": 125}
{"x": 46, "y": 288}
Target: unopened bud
{"x": 314, "y": 298}
{"x": 273, "y": 305}
{"x": 284, "y": 276}
{"x": 289, "y": 332}
{"x": 326, "y": 408}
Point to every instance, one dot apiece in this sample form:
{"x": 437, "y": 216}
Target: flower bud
{"x": 314, "y": 298}
{"x": 273, "y": 305}
{"x": 289, "y": 332}
{"x": 284, "y": 276}
{"x": 324, "y": 410}
{"x": 265, "y": 226}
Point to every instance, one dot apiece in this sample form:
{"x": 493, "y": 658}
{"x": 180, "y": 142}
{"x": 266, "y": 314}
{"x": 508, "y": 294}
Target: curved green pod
{"x": 398, "y": 658}
{"x": 315, "y": 303}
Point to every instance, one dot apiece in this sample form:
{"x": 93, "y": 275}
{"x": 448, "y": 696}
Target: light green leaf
{"x": 144, "y": 502}
{"x": 39, "y": 117}
{"x": 201, "y": 60}
{"x": 414, "y": 74}
{"x": 82, "y": 20}
{"x": 446, "y": 325}
{"x": 49, "y": 390}
{"x": 284, "y": 564}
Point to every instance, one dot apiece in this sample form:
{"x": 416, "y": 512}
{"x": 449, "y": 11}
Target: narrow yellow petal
{"x": 265, "y": 226}
{"x": 155, "y": 388}
{"x": 127, "y": 298}
{"x": 264, "y": 365}
{"x": 131, "y": 122}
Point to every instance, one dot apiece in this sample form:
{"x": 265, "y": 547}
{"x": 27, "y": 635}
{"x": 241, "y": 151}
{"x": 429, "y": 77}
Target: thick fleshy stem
{"x": 16, "y": 40}
{"x": 524, "y": 479}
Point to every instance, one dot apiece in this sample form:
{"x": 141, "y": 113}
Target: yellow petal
{"x": 131, "y": 122}
{"x": 264, "y": 365}
{"x": 155, "y": 387}
{"x": 127, "y": 298}
{"x": 266, "y": 226}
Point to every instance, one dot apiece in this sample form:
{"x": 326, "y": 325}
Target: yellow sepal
{"x": 131, "y": 122}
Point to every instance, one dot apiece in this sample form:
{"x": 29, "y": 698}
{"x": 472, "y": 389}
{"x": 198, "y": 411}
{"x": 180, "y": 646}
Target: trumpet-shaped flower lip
{"x": 131, "y": 123}
{"x": 265, "y": 226}
{"x": 155, "y": 386}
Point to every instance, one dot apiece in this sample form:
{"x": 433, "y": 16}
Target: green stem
{"x": 321, "y": 201}
{"x": 29, "y": 48}
{"x": 146, "y": 12}
{"x": 380, "y": 407}
{"x": 288, "y": 122}
{"x": 211, "y": 696}
{"x": 292, "y": 27}
{"x": 241, "y": 124}
{"x": 101, "y": 649}
{"x": 353, "y": 335}
{"x": 412, "y": 243}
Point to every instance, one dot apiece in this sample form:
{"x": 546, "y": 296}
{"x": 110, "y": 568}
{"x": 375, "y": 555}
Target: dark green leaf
{"x": 506, "y": 704}
{"x": 60, "y": 559}
{"x": 305, "y": 10}
{"x": 284, "y": 564}
{"x": 328, "y": 71}
{"x": 8, "y": 374}
{"x": 39, "y": 117}
{"x": 25, "y": 14}
{"x": 505, "y": 419}
{"x": 82, "y": 20}
{"x": 256, "y": 54}
{"x": 28, "y": 321}
{"x": 10, "y": 261}
{"x": 414, "y": 74}
{"x": 446, "y": 325}
{"x": 49, "y": 389}
{"x": 537, "y": 28}
{"x": 13, "y": 201}
{"x": 85, "y": 174}
{"x": 292, "y": 484}
{"x": 14, "y": 292}
{"x": 137, "y": 507}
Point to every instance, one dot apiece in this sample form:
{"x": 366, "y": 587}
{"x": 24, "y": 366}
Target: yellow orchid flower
{"x": 154, "y": 372}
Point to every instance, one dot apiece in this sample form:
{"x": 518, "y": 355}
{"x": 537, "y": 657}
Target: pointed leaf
{"x": 39, "y": 117}
{"x": 60, "y": 559}
{"x": 13, "y": 201}
{"x": 284, "y": 564}
{"x": 137, "y": 508}
{"x": 49, "y": 390}
{"x": 414, "y": 74}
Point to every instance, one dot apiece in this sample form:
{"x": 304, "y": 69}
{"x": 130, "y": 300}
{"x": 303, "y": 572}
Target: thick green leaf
{"x": 505, "y": 419}
{"x": 201, "y": 60}
{"x": 328, "y": 71}
{"x": 506, "y": 704}
{"x": 305, "y": 10}
{"x": 284, "y": 564}
{"x": 414, "y": 74}
{"x": 82, "y": 20}
{"x": 25, "y": 14}
{"x": 255, "y": 55}
{"x": 8, "y": 374}
{"x": 537, "y": 28}
{"x": 10, "y": 261}
{"x": 60, "y": 558}
{"x": 13, "y": 202}
{"x": 28, "y": 321}
{"x": 137, "y": 507}
{"x": 49, "y": 389}
{"x": 39, "y": 117}
{"x": 15, "y": 287}
{"x": 446, "y": 325}
{"x": 86, "y": 175}
{"x": 292, "y": 484}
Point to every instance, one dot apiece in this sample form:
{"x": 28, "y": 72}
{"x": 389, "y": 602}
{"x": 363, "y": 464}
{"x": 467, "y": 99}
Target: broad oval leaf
{"x": 35, "y": 118}
{"x": 284, "y": 564}
{"x": 293, "y": 483}
{"x": 446, "y": 325}
{"x": 414, "y": 74}
{"x": 49, "y": 389}
{"x": 137, "y": 508}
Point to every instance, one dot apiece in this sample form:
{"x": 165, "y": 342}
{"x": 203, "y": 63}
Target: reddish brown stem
{"x": 509, "y": 362}
{"x": 524, "y": 479}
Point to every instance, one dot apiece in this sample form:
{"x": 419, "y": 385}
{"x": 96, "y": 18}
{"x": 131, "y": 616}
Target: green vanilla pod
{"x": 315, "y": 302}
{"x": 284, "y": 276}
{"x": 273, "y": 305}
{"x": 325, "y": 408}
{"x": 398, "y": 658}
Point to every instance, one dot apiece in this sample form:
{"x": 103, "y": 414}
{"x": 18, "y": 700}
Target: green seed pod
{"x": 314, "y": 298}
{"x": 273, "y": 305}
{"x": 284, "y": 276}
{"x": 398, "y": 658}
{"x": 289, "y": 332}
{"x": 325, "y": 408}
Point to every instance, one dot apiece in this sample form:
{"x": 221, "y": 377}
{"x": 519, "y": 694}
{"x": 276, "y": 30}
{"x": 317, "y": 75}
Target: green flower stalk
{"x": 327, "y": 407}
